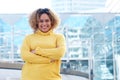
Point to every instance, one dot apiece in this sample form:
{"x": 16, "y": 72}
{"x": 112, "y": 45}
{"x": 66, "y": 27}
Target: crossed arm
{"x": 28, "y": 56}
{"x": 53, "y": 53}
{"x": 40, "y": 55}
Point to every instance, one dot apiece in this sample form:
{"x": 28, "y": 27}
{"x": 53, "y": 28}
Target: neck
{"x": 44, "y": 33}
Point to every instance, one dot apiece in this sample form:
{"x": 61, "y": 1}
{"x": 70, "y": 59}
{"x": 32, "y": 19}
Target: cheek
{"x": 39, "y": 25}
{"x": 51, "y": 24}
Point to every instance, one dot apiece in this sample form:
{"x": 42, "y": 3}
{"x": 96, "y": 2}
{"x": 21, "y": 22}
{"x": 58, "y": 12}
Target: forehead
{"x": 44, "y": 16}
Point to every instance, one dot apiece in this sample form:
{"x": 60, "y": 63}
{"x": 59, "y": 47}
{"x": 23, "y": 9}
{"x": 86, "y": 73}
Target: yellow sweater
{"x": 47, "y": 46}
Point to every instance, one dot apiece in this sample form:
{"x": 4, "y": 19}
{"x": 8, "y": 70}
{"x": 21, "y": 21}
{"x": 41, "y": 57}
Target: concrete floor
{"x": 7, "y": 74}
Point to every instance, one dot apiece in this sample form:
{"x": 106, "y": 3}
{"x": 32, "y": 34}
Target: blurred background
{"x": 91, "y": 29}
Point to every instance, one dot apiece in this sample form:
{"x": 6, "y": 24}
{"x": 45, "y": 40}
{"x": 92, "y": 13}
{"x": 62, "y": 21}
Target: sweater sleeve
{"x": 54, "y": 53}
{"x": 27, "y": 56}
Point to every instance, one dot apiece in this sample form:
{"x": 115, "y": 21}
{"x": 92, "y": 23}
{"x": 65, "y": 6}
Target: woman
{"x": 42, "y": 51}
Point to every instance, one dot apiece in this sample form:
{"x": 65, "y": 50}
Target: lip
{"x": 44, "y": 26}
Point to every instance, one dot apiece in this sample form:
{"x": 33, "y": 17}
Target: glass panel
{"x": 117, "y": 68}
{"x": 76, "y": 65}
{"x": 103, "y": 70}
{"x": 99, "y": 52}
{"x": 89, "y": 37}
{"x": 99, "y": 38}
{"x": 5, "y": 46}
{"x": 108, "y": 34}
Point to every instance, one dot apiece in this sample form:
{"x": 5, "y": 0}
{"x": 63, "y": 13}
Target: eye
{"x": 41, "y": 21}
{"x": 47, "y": 20}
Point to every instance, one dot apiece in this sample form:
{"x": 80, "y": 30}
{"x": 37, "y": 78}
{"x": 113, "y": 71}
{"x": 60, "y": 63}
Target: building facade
{"x": 77, "y": 6}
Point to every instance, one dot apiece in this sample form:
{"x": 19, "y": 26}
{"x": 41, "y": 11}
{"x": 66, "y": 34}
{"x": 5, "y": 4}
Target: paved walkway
{"x": 7, "y": 74}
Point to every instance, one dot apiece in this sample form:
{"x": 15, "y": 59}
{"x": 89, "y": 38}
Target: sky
{"x": 22, "y": 6}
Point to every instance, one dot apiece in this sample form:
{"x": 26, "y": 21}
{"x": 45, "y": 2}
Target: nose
{"x": 44, "y": 23}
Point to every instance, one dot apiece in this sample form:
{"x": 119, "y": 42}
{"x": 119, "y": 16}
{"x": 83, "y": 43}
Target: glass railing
{"x": 92, "y": 40}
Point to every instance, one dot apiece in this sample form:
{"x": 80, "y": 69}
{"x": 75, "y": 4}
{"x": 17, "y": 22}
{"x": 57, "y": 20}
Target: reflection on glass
{"x": 89, "y": 37}
{"x": 76, "y": 65}
{"x": 103, "y": 70}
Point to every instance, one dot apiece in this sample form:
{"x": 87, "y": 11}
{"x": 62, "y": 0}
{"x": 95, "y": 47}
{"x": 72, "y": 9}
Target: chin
{"x": 44, "y": 31}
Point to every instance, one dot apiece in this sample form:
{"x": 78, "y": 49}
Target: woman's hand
{"x": 52, "y": 60}
{"x": 32, "y": 51}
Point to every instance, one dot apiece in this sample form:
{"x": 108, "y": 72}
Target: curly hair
{"x": 34, "y": 18}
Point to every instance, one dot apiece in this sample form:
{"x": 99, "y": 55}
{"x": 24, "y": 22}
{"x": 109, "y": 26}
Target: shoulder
{"x": 59, "y": 35}
{"x": 28, "y": 36}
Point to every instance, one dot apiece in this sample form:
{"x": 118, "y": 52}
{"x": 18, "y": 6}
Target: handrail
{"x": 18, "y": 66}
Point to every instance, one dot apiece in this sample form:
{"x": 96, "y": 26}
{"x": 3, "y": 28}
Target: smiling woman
{"x": 44, "y": 22}
{"x": 22, "y": 6}
{"x": 42, "y": 50}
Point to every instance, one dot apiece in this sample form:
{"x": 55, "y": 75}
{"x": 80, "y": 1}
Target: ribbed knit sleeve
{"x": 54, "y": 53}
{"x": 27, "y": 56}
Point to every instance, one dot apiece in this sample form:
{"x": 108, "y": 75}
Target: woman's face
{"x": 44, "y": 24}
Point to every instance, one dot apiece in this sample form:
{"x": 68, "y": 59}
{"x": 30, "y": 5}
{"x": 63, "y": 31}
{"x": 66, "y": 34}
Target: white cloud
{"x": 22, "y": 6}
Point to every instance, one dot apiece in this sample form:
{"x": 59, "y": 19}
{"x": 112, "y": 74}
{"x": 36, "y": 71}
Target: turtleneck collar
{"x": 44, "y": 34}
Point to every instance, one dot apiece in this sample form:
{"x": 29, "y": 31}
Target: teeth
{"x": 44, "y": 27}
